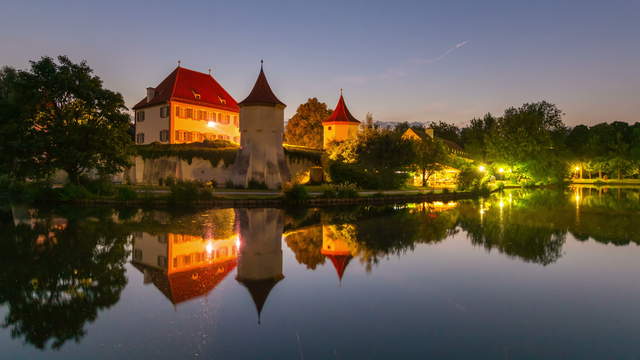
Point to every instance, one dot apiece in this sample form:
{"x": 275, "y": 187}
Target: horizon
{"x": 412, "y": 62}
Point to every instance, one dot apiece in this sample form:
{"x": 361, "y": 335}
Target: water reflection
{"x": 63, "y": 266}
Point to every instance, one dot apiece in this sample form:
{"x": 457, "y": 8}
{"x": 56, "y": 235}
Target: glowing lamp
{"x": 577, "y": 168}
{"x": 501, "y": 170}
{"x": 481, "y": 168}
{"x": 208, "y": 248}
{"x": 211, "y": 124}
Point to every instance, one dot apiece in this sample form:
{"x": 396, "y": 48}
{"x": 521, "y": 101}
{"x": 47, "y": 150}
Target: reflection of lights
{"x": 482, "y": 211}
{"x": 211, "y": 124}
{"x": 501, "y": 170}
{"x": 501, "y": 204}
{"x": 438, "y": 203}
{"x": 452, "y": 203}
{"x": 481, "y": 168}
{"x": 577, "y": 197}
{"x": 208, "y": 248}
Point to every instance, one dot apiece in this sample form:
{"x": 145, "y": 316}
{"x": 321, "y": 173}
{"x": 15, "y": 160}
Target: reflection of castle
{"x": 260, "y": 262}
{"x": 337, "y": 245}
{"x": 183, "y": 266}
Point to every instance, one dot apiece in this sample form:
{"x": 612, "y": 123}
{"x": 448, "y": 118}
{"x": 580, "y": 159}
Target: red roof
{"x": 341, "y": 114}
{"x": 261, "y": 94}
{"x": 340, "y": 262}
{"x": 186, "y": 285}
{"x": 184, "y": 85}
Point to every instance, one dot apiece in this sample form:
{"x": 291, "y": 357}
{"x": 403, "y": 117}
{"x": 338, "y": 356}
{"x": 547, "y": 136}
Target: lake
{"x": 539, "y": 274}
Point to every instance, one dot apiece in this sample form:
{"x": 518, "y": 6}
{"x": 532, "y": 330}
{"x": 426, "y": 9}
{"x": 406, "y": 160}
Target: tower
{"x": 260, "y": 261}
{"x": 341, "y": 125}
{"x": 261, "y": 156}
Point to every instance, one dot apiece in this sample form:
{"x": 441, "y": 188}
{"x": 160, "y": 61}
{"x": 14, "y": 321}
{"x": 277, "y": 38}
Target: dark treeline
{"x": 534, "y": 142}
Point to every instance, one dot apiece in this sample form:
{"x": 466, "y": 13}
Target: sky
{"x": 399, "y": 60}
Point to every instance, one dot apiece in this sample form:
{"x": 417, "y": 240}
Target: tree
{"x": 305, "y": 127}
{"x": 78, "y": 125}
{"x": 22, "y": 155}
{"x": 385, "y": 154}
{"x": 429, "y": 156}
{"x": 473, "y": 137}
{"x": 445, "y": 131}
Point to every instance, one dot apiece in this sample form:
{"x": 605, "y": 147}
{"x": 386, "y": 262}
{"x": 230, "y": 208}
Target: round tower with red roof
{"x": 341, "y": 125}
{"x": 261, "y": 157}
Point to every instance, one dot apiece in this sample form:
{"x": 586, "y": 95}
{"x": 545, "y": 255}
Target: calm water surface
{"x": 522, "y": 275}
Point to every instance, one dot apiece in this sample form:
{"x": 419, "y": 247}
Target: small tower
{"x": 261, "y": 156}
{"x": 337, "y": 247}
{"x": 341, "y": 125}
{"x": 260, "y": 261}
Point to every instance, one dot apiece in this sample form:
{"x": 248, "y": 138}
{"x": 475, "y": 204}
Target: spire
{"x": 341, "y": 113}
{"x": 261, "y": 94}
{"x": 259, "y": 290}
{"x": 340, "y": 263}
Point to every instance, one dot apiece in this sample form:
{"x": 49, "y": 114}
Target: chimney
{"x": 151, "y": 92}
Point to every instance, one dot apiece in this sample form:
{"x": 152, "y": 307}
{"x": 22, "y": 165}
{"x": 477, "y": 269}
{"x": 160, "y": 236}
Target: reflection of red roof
{"x": 340, "y": 263}
{"x": 341, "y": 114}
{"x": 186, "y": 285}
{"x": 261, "y": 94}
{"x": 184, "y": 85}
{"x": 259, "y": 290}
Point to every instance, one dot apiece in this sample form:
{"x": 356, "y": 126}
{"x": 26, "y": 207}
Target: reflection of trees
{"x": 306, "y": 244}
{"x": 56, "y": 277}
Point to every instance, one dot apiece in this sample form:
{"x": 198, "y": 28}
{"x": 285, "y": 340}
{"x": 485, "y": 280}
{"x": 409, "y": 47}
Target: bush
{"x": 125, "y": 193}
{"x": 340, "y": 191}
{"x": 170, "y": 181}
{"x": 295, "y": 194}
{"x": 72, "y": 192}
{"x": 189, "y": 191}
{"x": 257, "y": 185}
{"x": 101, "y": 186}
{"x": 343, "y": 173}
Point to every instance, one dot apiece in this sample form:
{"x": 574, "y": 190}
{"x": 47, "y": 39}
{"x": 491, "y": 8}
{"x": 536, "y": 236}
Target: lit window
{"x": 178, "y": 111}
{"x": 188, "y": 113}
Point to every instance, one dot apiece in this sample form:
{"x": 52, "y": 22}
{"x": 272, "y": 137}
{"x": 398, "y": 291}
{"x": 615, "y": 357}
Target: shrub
{"x": 257, "y": 185}
{"x": 170, "y": 181}
{"x": 71, "y": 192}
{"x": 125, "y": 193}
{"x": 295, "y": 193}
{"x": 101, "y": 186}
{"x": 189, "y": 191}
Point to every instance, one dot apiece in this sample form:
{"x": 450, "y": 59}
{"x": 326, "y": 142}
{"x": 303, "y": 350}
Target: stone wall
{"x": 150, "y": 171}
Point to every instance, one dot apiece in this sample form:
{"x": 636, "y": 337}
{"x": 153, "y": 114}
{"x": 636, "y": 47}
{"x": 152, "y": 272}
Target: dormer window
{"x": 196, "y": 94}
{"x": 222, "y": 100}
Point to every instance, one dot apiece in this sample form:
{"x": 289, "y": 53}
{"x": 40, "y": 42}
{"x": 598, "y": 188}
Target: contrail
{"x": 443, "y": 55}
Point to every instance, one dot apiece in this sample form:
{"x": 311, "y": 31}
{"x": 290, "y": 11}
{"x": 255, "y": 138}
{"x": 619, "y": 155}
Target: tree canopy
{"x": 305, "y": 127}
{"x": 58, "y": 116}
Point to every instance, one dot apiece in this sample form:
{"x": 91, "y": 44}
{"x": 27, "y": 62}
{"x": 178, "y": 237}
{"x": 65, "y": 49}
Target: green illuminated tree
{"x": 305, "y": 127}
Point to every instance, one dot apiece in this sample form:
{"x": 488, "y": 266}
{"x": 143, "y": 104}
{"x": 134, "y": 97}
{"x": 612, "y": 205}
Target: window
{"x": 202, "y": 115}
{"x": 164, "y": 112}
{"x": 140, "y": 138}
{"x": 219, "y": 117}
{"x": 179, "y": 135}
{"x": 178, "y": 111}
{"x": 162, "y": 261}
{"x": 164, "y": 135}
{"x": 188, "y": 136}
{"x": 220, "y": 137}
{"x": 329, "y": 127}
{"x": 188, "y": 113}
{"x": 227, "y": 119}
{"x": 137, "y": 254}
{"x": 235, "y": 121}
{"x": 236, "y": 139}
{"x": 140, "y": 116}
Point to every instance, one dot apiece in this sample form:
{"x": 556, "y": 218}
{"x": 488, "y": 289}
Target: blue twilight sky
{"x": 400, "y": 60}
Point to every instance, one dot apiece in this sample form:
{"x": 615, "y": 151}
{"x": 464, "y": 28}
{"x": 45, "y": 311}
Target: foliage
{"x": 65, "y": 120}
{"x": 214, "y": 151}
{"x": 126, "y": 194}
{"x": 305, "y": 127}
{"x": 295, "y": 193}
{"x": 343, "y": 190}
{"x": 303, "y": 153}
{"x": 429, "y": 156}
{"x": 306, "y": 244}
{"x": 187, "y": 192}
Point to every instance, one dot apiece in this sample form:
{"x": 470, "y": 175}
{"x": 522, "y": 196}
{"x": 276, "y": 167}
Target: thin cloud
{"x": 400, "y": 70}
{"x": 442, "y": 56}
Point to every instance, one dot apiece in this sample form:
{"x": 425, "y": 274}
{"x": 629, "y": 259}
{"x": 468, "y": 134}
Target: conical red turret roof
{"x": 340, "y": 263}
{"x": 261, "y": 94}
{"x": 341, "y": 114}
{"x": 259, "y": 290}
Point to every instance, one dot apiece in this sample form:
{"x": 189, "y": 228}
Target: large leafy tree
{"x": 74, "y": 123}
{"x": 305, "y": 127}
{"x": 429, "y": 156}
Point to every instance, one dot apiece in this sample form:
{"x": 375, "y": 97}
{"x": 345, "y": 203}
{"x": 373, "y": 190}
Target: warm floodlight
{"x": 481, "y": 168}
{"x": 211, "y": 124}
{"x": 501, "y": 170}
{"x": 577, "y": 168}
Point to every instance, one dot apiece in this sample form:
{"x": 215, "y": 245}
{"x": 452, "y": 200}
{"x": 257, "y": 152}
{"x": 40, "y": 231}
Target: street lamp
{"x": 481, "y": 168}
{"x": 501, "y": 170}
